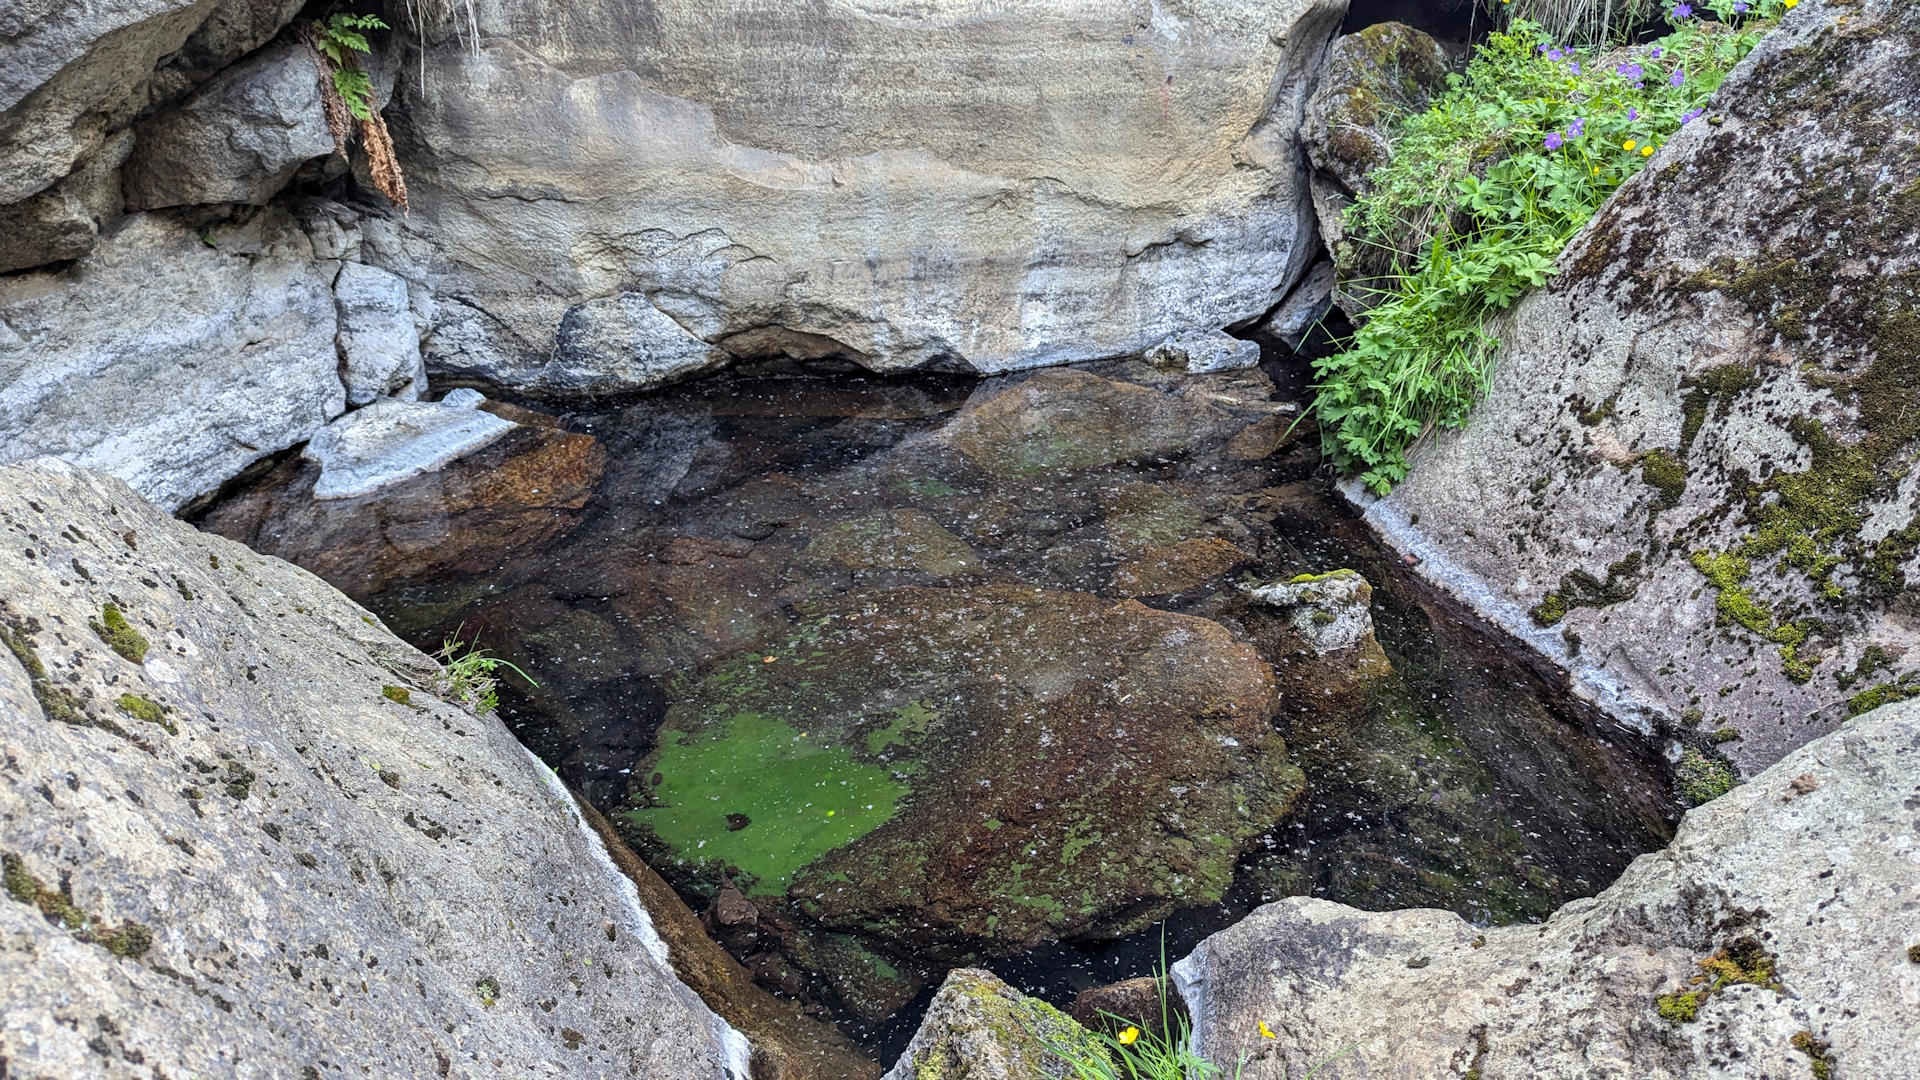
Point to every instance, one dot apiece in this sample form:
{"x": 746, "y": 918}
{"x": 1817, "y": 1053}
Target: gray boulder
{"x": 946, "y": 186}
{"x": 238, "y": 139}
{"x": 170, "y": 358}
{"x": 379, "y": 346}
{"x": 1775, "y": 937}
{"x": 61, "y": 222}
{"x": 1204, "y": 352}
{"x": 1693, "y": 480}
{"x": 248, "y": 835}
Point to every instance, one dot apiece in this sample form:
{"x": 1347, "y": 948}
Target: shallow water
{"x": 699, "y": 528}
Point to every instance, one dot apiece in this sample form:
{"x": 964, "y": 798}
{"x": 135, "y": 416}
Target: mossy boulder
{"x": 1693, "y": 479}
{"x": 979, "y": 1028}
{"x": 964, "y": 771}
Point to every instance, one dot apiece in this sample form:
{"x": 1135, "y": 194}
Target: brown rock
{"x": 520, "y": 493}
{"x": 1151, "y": 1004}
{"x": 1177, "y": 567}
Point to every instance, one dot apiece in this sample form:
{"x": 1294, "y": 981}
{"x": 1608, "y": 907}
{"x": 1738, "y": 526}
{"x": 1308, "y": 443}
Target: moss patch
{"x": 1701, "y": 778}
{"x": 399, "y": 695}
{"x": 1884, "y": 694}
{"x": 802, "y": 797}
{"x": 142, "y": 708}
{"x": 130, "y": 939}
{"x": 1580, "y": 589}
{"x": 57, "y": 702}
{"x": 1744, "y": 960}
{"x": 119, "y": 634}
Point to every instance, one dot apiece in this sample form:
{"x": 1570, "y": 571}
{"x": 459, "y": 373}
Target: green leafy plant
{"x": 1490, "y": 183}
{"x": 469, "y": 678}
{"x": 342, "y": 38}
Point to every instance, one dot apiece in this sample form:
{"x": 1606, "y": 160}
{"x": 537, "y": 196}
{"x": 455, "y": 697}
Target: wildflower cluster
{"x": 1493, "y": 180}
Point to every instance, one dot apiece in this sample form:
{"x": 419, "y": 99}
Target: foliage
{"x": 1500, "y": 172}
{"x": 1162, "y": 1051}
{"x": 342, "y": 38}
{"x": 468, "y": 674}
{"x": 1701, "y": 778}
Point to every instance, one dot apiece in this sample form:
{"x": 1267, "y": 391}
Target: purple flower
{"x": 1555, "y": 54}
{"x": 1575, "y": 65}
{"x": 1691, "y": 114}
{"x": 1679, "y": 76}
{"x": 1554, "y": 141}
{"x": 1682, "y": 11}
{"x": 1740, "y": 6}
{"x": 1633, "y": 114}
{"x": 1657, "y": 52}
{"x": 1631, "y": 71}
{"x": 1574, "y": 129}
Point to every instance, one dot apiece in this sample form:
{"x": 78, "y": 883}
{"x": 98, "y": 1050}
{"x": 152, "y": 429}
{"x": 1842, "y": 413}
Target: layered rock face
{"x": 1699, "y": 442}
{"x": 1776, "y": 936}
{"x": 620, "y": 194}
{"x": 246, "y": 838}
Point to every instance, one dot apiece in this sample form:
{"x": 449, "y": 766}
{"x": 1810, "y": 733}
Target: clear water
{"x": 1463, "y": 780}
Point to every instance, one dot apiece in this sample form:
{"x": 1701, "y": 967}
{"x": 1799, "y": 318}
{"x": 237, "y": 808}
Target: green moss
{"x": 119, "y": 634}
{"x": 57, "y": 702}
{"x": 1884, "y": 694}
{"x": 1819, "y": 1060}
{"x": 399, "y": 695}
{"x": 1301, "y": 579}
{"x": 487, "y": 989}
{"x": 1580, "y": 589}
{"x": 131, "y": 940}
{"x": 804, "y": 798}
{"x": 1680, "y": 1008}
{"x": 141, "y": 708}
{"x": 239, "y": 781}
{"x": 1665, "y": 474}
{"x": 1728, "y": 573}
{"x": 1701, "y": 778}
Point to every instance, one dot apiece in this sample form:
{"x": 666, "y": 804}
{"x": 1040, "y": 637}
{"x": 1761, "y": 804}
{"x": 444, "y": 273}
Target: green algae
{"x": 803, "y": 797}
{"x": 909, "y": 720}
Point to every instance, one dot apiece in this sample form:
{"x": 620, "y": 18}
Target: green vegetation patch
{"x": 130, "y": 939}
{"x": 1483, "y": 193}
{"x": 143, "y": 708}
{"x": 120, "y": 636}
{"x": 802, "y": 798}
{"x": 1884, "y": 694}
{"x": 1743, "y": 961}
{"x": 1701, "y": 778}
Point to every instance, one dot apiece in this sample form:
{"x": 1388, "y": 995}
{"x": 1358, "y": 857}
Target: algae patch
{"x": 802, "y": 797}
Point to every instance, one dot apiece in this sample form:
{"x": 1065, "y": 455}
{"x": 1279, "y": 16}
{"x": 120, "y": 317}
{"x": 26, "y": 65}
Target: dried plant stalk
{"x": 384, "y": 166}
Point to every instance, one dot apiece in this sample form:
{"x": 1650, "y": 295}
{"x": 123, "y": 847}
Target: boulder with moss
{"x": 247, "y": 836}
{"x": 1775, "y": 937}
{"x": 979, "y": 1028}
{"x": 1692, "y": 483}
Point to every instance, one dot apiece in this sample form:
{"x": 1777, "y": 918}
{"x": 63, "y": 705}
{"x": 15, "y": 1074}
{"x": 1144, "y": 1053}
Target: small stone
{"x": 390, "y": 441}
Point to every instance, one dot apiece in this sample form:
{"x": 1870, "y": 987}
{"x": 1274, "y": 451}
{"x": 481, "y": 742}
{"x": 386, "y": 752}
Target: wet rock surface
{"x": 245, "y": 837}
{"x": 1699, "y": 439}
{"x": 1773, "y": 937}
{"x": 996, "y": 628}
{"x": 979, "y": 1028}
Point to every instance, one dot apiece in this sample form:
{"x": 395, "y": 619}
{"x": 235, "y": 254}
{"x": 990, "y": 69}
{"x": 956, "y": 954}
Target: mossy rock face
{"x": 975, "y": 769}
{"x": 1693, "y": 478}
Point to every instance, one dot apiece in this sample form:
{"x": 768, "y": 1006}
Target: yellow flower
{"x": 1129, "y": 1036}
{"x": 1628, "y": 145}
{"x": 1596, "y": 170}
{"x": 1266, "y": 1032}
{"x": 1791, "y": 3}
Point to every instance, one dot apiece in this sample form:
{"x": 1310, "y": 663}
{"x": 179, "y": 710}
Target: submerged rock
{"x": 245, "y": 835}
{"x": 514, "y": 495}
{"x": 968, "y": 770}
{"x": 1692, "y": 481}
{"x": 1773, "y": 937}
{"x": 979, "y": 1028}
